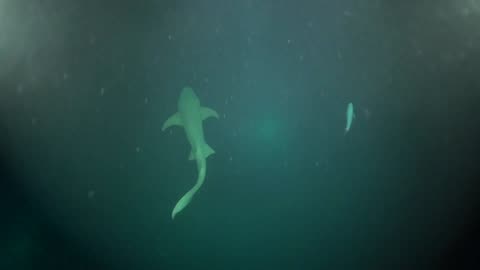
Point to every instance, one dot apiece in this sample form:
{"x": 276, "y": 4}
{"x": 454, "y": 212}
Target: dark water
{"x": 89, "y": 180}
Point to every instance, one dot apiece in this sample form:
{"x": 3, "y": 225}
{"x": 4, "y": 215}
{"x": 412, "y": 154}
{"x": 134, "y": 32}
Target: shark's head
{"x": 188, "y": 99}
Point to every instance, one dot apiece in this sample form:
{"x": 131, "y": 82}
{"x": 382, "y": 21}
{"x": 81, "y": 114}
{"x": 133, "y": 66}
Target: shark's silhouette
{"x": 190, "y": 116}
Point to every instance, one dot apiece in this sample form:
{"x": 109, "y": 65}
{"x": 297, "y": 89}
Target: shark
{"x": 350, "y": 116}
{"x": 190, "y": 116}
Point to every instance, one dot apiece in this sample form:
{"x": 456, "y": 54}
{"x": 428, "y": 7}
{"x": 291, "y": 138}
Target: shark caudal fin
{"x": 187, "y": 198}
{"x": 183, "y": 202}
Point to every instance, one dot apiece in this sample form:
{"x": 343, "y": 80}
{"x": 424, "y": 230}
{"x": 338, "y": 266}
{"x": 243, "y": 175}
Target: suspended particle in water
{"x": 91, "y": 194}
{"x": 367, "y": 113}
{"x": 19, "y": 89}
{"x": 339, "y": 55}
{"x": 92, "y": 39}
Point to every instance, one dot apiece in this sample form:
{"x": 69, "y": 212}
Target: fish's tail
{"x": 187, "y": 198}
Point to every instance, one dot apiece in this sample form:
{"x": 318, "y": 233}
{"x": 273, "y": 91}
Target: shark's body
{"x": 350, "y": 117}
{"x": 190, "y": 116}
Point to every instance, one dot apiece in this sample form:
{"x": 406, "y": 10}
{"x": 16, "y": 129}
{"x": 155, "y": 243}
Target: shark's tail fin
{"x": 183, "y": 202}
{"x": 187, "y": 198}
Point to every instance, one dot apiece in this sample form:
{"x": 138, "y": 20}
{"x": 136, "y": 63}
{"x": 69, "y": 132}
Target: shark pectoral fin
{"x": 207, "y": 113}
{"x": 207, "y": 150}
{"x": 173, "y": 120}
{"x": 191, "y": 156}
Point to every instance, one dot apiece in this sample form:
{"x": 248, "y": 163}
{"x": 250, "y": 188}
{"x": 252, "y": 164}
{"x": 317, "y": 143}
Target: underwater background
{"x": 89, "y": 180}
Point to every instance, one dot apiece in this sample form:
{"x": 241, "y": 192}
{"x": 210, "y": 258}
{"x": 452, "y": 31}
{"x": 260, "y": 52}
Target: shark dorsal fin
{"x": 174, "y": 120}
{"x": 207, "y": 113}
